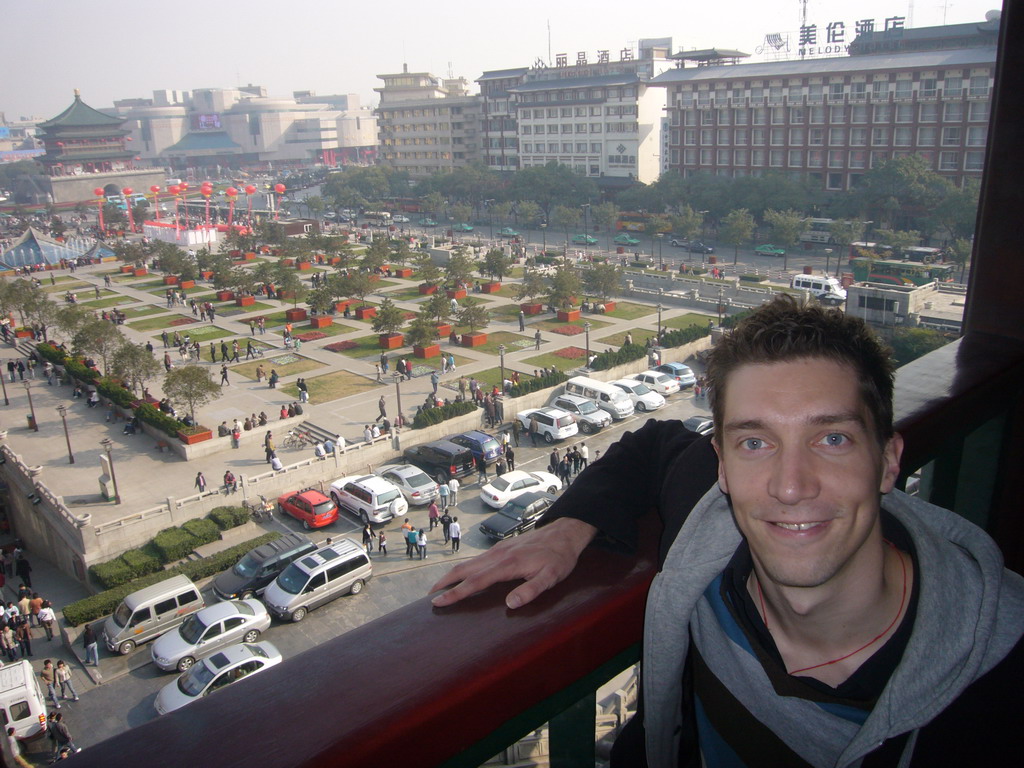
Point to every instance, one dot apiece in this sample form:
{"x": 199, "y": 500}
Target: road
{"x": 121, "y": 704}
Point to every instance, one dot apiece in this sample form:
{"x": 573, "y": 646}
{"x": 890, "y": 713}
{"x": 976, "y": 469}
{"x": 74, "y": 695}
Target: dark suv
{"x": 441, "y": 459}
{"x": 480, "y": 444}
{"x": 250, "y": 575}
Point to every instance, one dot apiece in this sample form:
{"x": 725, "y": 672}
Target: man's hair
{"x": 781, "y": 331}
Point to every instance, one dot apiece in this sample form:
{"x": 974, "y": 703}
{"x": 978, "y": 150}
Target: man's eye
{"x": 835, "y": 439}
{"x": 753, "y": 444}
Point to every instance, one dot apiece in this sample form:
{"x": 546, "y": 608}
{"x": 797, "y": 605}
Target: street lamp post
{"x": 3, "y": 382}
{"x": 63, "y": 411}
{"x": 586, "y": 330}
{"x": 828, "y": 260}
{"x": 399, "y": 421}
{"x": 586, "y": 227}
{"x": 659, "y": 322}
{"x": 721, "y": 291}
{"x": 107, "y": 444}
{"x": 501, "y": 356}
{"x": 28, "y": 391}
{"x": 661, "y": 256}
{"x": 544, "y": 238}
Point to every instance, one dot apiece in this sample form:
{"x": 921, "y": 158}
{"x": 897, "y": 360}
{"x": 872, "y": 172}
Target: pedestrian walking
{"x": 453, "y": 491}
{"x": 272, "y": 381}
{"x": 213, "y": 353}
{"x": 442, "y": 494}
{"x": 303, "y": 390}
{"x": 167, "y": 361}
{"x": 412, "y": 540}
{"x": 433, "y": 516}
{"x": 200, "y": 482}
{"x": 63, "y": 673}
{"x": 534, "y": 428}
{"x": 235, "y": 349}
{"x": 516, "y": 429}
{"x": 376, "y": 367}
{"x": 481, "y": 469}
{"x": 421, "y": 544}
{"x": 536, "y": 339}
{"x": 522, "y": 321}
{"x": 455, "y": 532}
{"x": 368, "y": 538}
{"x": 63, "y": 734}
{"x": 584, "y": 456}
{"x": 446, "y": 526}
{"x": 48, "y": 676}
{"x": 14, "y": 743}
{"x": 223, "y": 375}
{"x": 252, "y": 327}
{"x": 382, "y": 407}
{"x": 462, "y": 387}
{"x": 382, "y": 543}
{"x": 510, "y": 459}
{"x": 224, "y": 354}
{"x": 9, "y": 642}
{"x": 260, "y": 373}
{"x": 434, "y": 379}
{"x": 23, "y": 569}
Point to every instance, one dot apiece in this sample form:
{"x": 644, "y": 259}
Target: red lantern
{"x": 154, "y": 189}
{"x": 127, "y": 191}
{"x": 230, "y": 191}
{"x": 279, "y": 188}
{"x": 128, "y": 138}
{"x": 250, "y": 190}
{"x": 183, "y": 186}
{"x": 175, "y": 190}
{"x": 98, "y": 191}
{"x": 206, "y": 191}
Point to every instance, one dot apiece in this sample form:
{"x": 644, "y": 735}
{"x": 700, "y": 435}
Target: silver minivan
{"x": 606, "y": 396}
{"x": 151, "y": 611}
{"x": 338, "y": 569}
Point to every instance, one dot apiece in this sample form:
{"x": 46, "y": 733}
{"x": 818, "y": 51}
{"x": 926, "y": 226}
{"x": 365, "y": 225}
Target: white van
{"x": 607, "y": 396}
{"x": 338, "y": 569}
{"x": 21, "y": 700}
{"x": 151, "y": 611}
{"x": 819, "y": 286}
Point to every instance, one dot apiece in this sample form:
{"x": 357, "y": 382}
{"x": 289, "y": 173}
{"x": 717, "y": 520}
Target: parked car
{"x": 369, "y": 498}
{"x": 218, "y": 671}
{"x": 441, "y": 459}
{"x": 696, "y": 246}
{"x": 479, "y": 444}
{"x": 681, "y": 373}
{"x": 508, "y": 232}
{"x": 769, "y": 250}
{"x": 589, "y": 417}
{"x": 310, "y": 507}
{"x": 339, "y": 568}
{"x": 552, "y": 423}
{"x": 508, "y": 486}
{"x": 584, "y": 239}
{"x": 661, "y": 383}
{"x": 644, "y": 399}
{"x": 427, "y": 222}
{"x": 463, "y": 227}
{"x": 520, "y": 514}
{"x": 700, "y": 424}
{"x": 257, "y": 568}
{"x": 625, "y": 239}
{"x": 210, "y": 630}
{"x": 678, "y": 241}
{"x": 415, "y": 484}
{"x": 400, "y": 219}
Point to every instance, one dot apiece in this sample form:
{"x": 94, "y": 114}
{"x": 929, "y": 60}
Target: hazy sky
{"x": 114, "y": 50}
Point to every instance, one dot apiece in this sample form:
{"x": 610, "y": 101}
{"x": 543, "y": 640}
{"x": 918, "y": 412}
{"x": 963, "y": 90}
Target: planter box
{"x": 712, "y": 259}
{"x": 206, "y": 274}
{"x": 170, "y": 280}
{"x": 375, "y": 278}
{"x": 403, "y": 272}
{"x": 335, "y": 259}
{"x": 186, "y": 284}
{"x": 490, "y": 287}
{"x": 140, "y": 271}
{"x": 531, "y": 309}
{"x": 365, "y": 313}
{"x": 245, "y": 301}
{"x": 127, "y": 269}
{"x": 264, "y": 249}
{"x": 321, "y": 321}
{"x": 457, "y": 294}
{"x": 431, "y": 350}
{"x": 305, "y": 265}
{"x": 391, "y": 340}
{"x": 225, "y": 295}
{"x": 289, "y": 262}
{"x": 295, "y": 315}
{"x": 24, "y": 334}
{"x": 198, "y": 437}
{"x": 568, "y": 315}
{"x": 250, "y": 256}
{"x": 444, "y": 329}
{"x": 477, "y": 339}
{"x": 341, "y": 306}
{"x": 609, "y": 306}
{"x": 427, "y": 290}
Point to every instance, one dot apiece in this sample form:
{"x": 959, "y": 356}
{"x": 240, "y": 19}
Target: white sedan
{"x": 415, "y": 484}
{"x": 506, "y": 487}
{"x": 661, "y": 383}
{"x": 644, "y": 399}
{"x": 215, "y": 672}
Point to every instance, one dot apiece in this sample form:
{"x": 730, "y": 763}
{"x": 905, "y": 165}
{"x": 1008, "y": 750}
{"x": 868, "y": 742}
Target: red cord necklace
{"x": 903, "y": 600}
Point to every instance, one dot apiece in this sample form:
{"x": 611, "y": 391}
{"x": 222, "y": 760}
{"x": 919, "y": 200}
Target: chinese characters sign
{"x": 832, "y": 37}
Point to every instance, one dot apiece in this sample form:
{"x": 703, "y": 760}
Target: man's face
{"x": 800, "y": 461}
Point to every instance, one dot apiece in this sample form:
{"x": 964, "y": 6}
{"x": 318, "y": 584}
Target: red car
{"x": 311, "y": 507}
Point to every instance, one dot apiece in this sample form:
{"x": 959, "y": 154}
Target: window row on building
{"x": 948, "y": 112}
{"x": 950, "y": 161}
{"x": 900, "y": 136}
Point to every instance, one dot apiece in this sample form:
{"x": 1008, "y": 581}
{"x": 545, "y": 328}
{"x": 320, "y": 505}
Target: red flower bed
{"x": 408, "y": 315}
{"x": 183, "y": 321}
{"x": 341, "y": 346}
{"x": 570, "y": 353}
{"x": 567, "y": 330}
{"x": 311, "y": 336}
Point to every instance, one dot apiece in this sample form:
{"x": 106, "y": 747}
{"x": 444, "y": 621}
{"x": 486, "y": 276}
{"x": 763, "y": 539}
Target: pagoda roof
{"x": 88, "y": 157}
{"x": 80, "y": 114}
{"x": 80, "y": 132}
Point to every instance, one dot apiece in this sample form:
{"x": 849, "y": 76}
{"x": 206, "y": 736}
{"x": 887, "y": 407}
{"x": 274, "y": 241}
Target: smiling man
{"x": 805, "y": 613}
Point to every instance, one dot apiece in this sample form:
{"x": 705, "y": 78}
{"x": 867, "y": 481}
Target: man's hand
{"x": 543, "y": 557}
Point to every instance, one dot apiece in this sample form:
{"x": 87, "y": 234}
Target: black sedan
{"x": 520, "y": 514}
{"x": 698, "y": 247}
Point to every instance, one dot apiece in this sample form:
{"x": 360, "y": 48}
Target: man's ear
{"x": 891, "y": 462}
{"x": 723, "y": 483}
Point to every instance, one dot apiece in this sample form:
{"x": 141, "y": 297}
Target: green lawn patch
{"x": 560, "y": 362}
{"x": 203, "y": 332}
{"x": 687, "y": 320}
{"x": 627, "y": 310}
{"x": 285, "y": 363}
{"x": 364, "y": 346}
{"x": 164, "y": 321}
{"x": 331, "y": 386}
{"x": 405, "y": 294}
{"x": 513, "y": 342}
{"x": 554, "y": 323}
{"x": 143, "y": 311}
{"x": 68, "y": 285}
{"x": 111, "y": 301}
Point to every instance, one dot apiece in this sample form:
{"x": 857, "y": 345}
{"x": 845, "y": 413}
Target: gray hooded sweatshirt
{"x": 970, "y": 614}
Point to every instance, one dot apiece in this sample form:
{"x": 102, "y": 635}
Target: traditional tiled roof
{"x": 81, "y": 114}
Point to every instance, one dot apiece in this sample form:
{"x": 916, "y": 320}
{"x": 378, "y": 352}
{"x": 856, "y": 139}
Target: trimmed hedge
{"x": 429, "y": 416}
{"x": 91, "y": 608}
{"x": 51, "y": 353}
{"x": 113, "y": 573}
{"x": 174, "y": 543}
{"x": 682, "y": 336}
{"x": 153, "y": 416}
{"x": 113, "y": 391}
{"x": 141, "y": 562}
{"x": 229, "y": 517}
{"x": 526, "y": 386}
{"x": 627, "y": 353}
{"x": 204, "y": 530}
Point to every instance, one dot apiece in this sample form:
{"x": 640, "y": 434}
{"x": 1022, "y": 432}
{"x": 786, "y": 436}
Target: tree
{"x": 191, "y": 386}
{"x": 130, "y": 253}
{"x": 421, "y": 331}
{"x": 315, "y": 205}
{"x": 898, "y": 240}
{"x": 786, "y": 227}
{"x": 134, "y": 365}
{"x": 605, "y": 215}
{"x": 496, "y": 264}
{"x": 566, "y": 218}
{"x": 427, "y": 270}
{"x": 433, "y": 203}
{"x": 438, "y": 308}
{"x": 501, "y": 211}
{"x": 688, "y": 223}
{"x": 242, "y": 281}
{"x": 603, "y": 280}
{"x": 553, "y": 183}
{"x": 356, "y": 285}
{"x": 737, "y": 227}
{"x": 900, "y": 193}
{"x": 566, "y": 286}
{"x": 321, "y": 300}
{"x": 474, "y": 314}
{"x": 462, "y": 212}
{"x": 41, "y": 311}
{"x": 459, "y": 268}
{"x": 286, "y": 279}
{"x": 400, "y": 252}
{"x": 960, "y": 251}
{"x": 908, "y": 344}
{"x": 389, "y": 318}
{"x": 97, "y": 339}
{"x": 377, "y": 255}
{"x": 528, "y": 213}
{"x": 843, "y": 232}
{"x": 533, "y": 284}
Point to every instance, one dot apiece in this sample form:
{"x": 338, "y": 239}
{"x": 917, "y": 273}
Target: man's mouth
{"x": 797, "y": 526}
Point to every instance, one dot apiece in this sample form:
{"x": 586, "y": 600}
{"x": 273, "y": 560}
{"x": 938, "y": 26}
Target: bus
{"x": 641, "y": 221}
{"x": 922, "y": 254}
{"x": 817, "y": 231}
{"x": 887, "y": 272}
{"x": 378, "y": 217}
{"x": 402, "y": 204}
